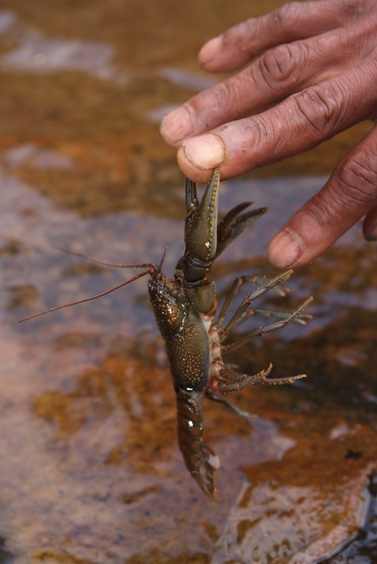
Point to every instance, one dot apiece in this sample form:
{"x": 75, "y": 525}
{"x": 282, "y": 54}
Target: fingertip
{"x": 371, "y": 236}
{"x": 284, "y": 250}
{"x": 190, "y": 170}
{"x": 175, "y": 126}
{"x": 199, "y": 156}
{"x": 370, "y": 226}
{"x": 208, "y": 52}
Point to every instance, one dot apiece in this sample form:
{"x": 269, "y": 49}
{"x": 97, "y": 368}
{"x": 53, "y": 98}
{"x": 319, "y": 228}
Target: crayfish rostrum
{"x": 196, "y": 340}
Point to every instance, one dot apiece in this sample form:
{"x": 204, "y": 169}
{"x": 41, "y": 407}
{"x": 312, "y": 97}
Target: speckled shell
{"x": 185, "y": 336}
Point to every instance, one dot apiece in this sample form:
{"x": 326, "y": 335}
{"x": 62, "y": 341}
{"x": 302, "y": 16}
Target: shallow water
{"x": 90, "y": 469}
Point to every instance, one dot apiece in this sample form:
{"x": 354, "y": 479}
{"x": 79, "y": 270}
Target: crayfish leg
{"x": 237, "y": 410}
{"x": 283, "y": 322}
{"x": 237, "y": 380}
{"x": 264, "y": 285}
{"x": 229, "y": 381}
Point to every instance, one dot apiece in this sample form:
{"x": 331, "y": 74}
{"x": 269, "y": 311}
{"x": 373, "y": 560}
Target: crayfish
{"x": 185, "y": 309}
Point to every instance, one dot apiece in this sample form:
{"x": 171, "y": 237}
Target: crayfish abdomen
{"x": 199, "y": 458}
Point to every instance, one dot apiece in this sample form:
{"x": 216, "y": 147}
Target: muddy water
{"x": 90, "y": 469}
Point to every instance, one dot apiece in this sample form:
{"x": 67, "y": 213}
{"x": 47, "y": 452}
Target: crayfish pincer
{"x": 195, "y": 338}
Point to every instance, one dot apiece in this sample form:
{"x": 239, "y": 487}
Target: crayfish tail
{"x": 199, "y": 458}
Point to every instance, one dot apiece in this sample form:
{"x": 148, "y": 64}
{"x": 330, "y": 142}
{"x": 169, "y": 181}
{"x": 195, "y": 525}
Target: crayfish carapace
{"x": 185, "y": 309}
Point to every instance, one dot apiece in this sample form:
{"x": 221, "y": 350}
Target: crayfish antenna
{"x": 104, "y": 263}
{"x": 140, "y": 275}
{"x": 159, "y": 268}
{"x": 150, "y": 269}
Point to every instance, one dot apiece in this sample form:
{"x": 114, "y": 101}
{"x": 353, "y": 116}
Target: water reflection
{"x": 36, "y": 53}
{"x": 7, "y": 19}
{"x": 34, "y": 156}
{"x": 187, "y": 79}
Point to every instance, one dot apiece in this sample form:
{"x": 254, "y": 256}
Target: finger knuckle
{"x": 234, "y": 36}
{"x": 223, "y": 94}
{"x": 356, "y": 177}
{"x": 263, "y": 129}
{"x": 320, "y": 211}
{"x": 239, "y": 34}
{"x": 354, "y": 8}
{"x": 286, "y": 14}
{"x": 283, "y": 64}
{"x": 320, "y": 108}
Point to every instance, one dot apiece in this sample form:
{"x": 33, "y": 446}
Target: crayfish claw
{"x": 233, "y": 224}
{"x": 192, "y": 201}
{"x": 201, "y": 229}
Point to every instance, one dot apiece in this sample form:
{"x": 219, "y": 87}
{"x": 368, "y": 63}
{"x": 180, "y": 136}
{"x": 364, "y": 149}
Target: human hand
{"x": 316, "y": 75}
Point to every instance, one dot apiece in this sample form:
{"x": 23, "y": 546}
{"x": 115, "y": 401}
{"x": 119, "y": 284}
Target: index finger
{"x": 300, "y": 122}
